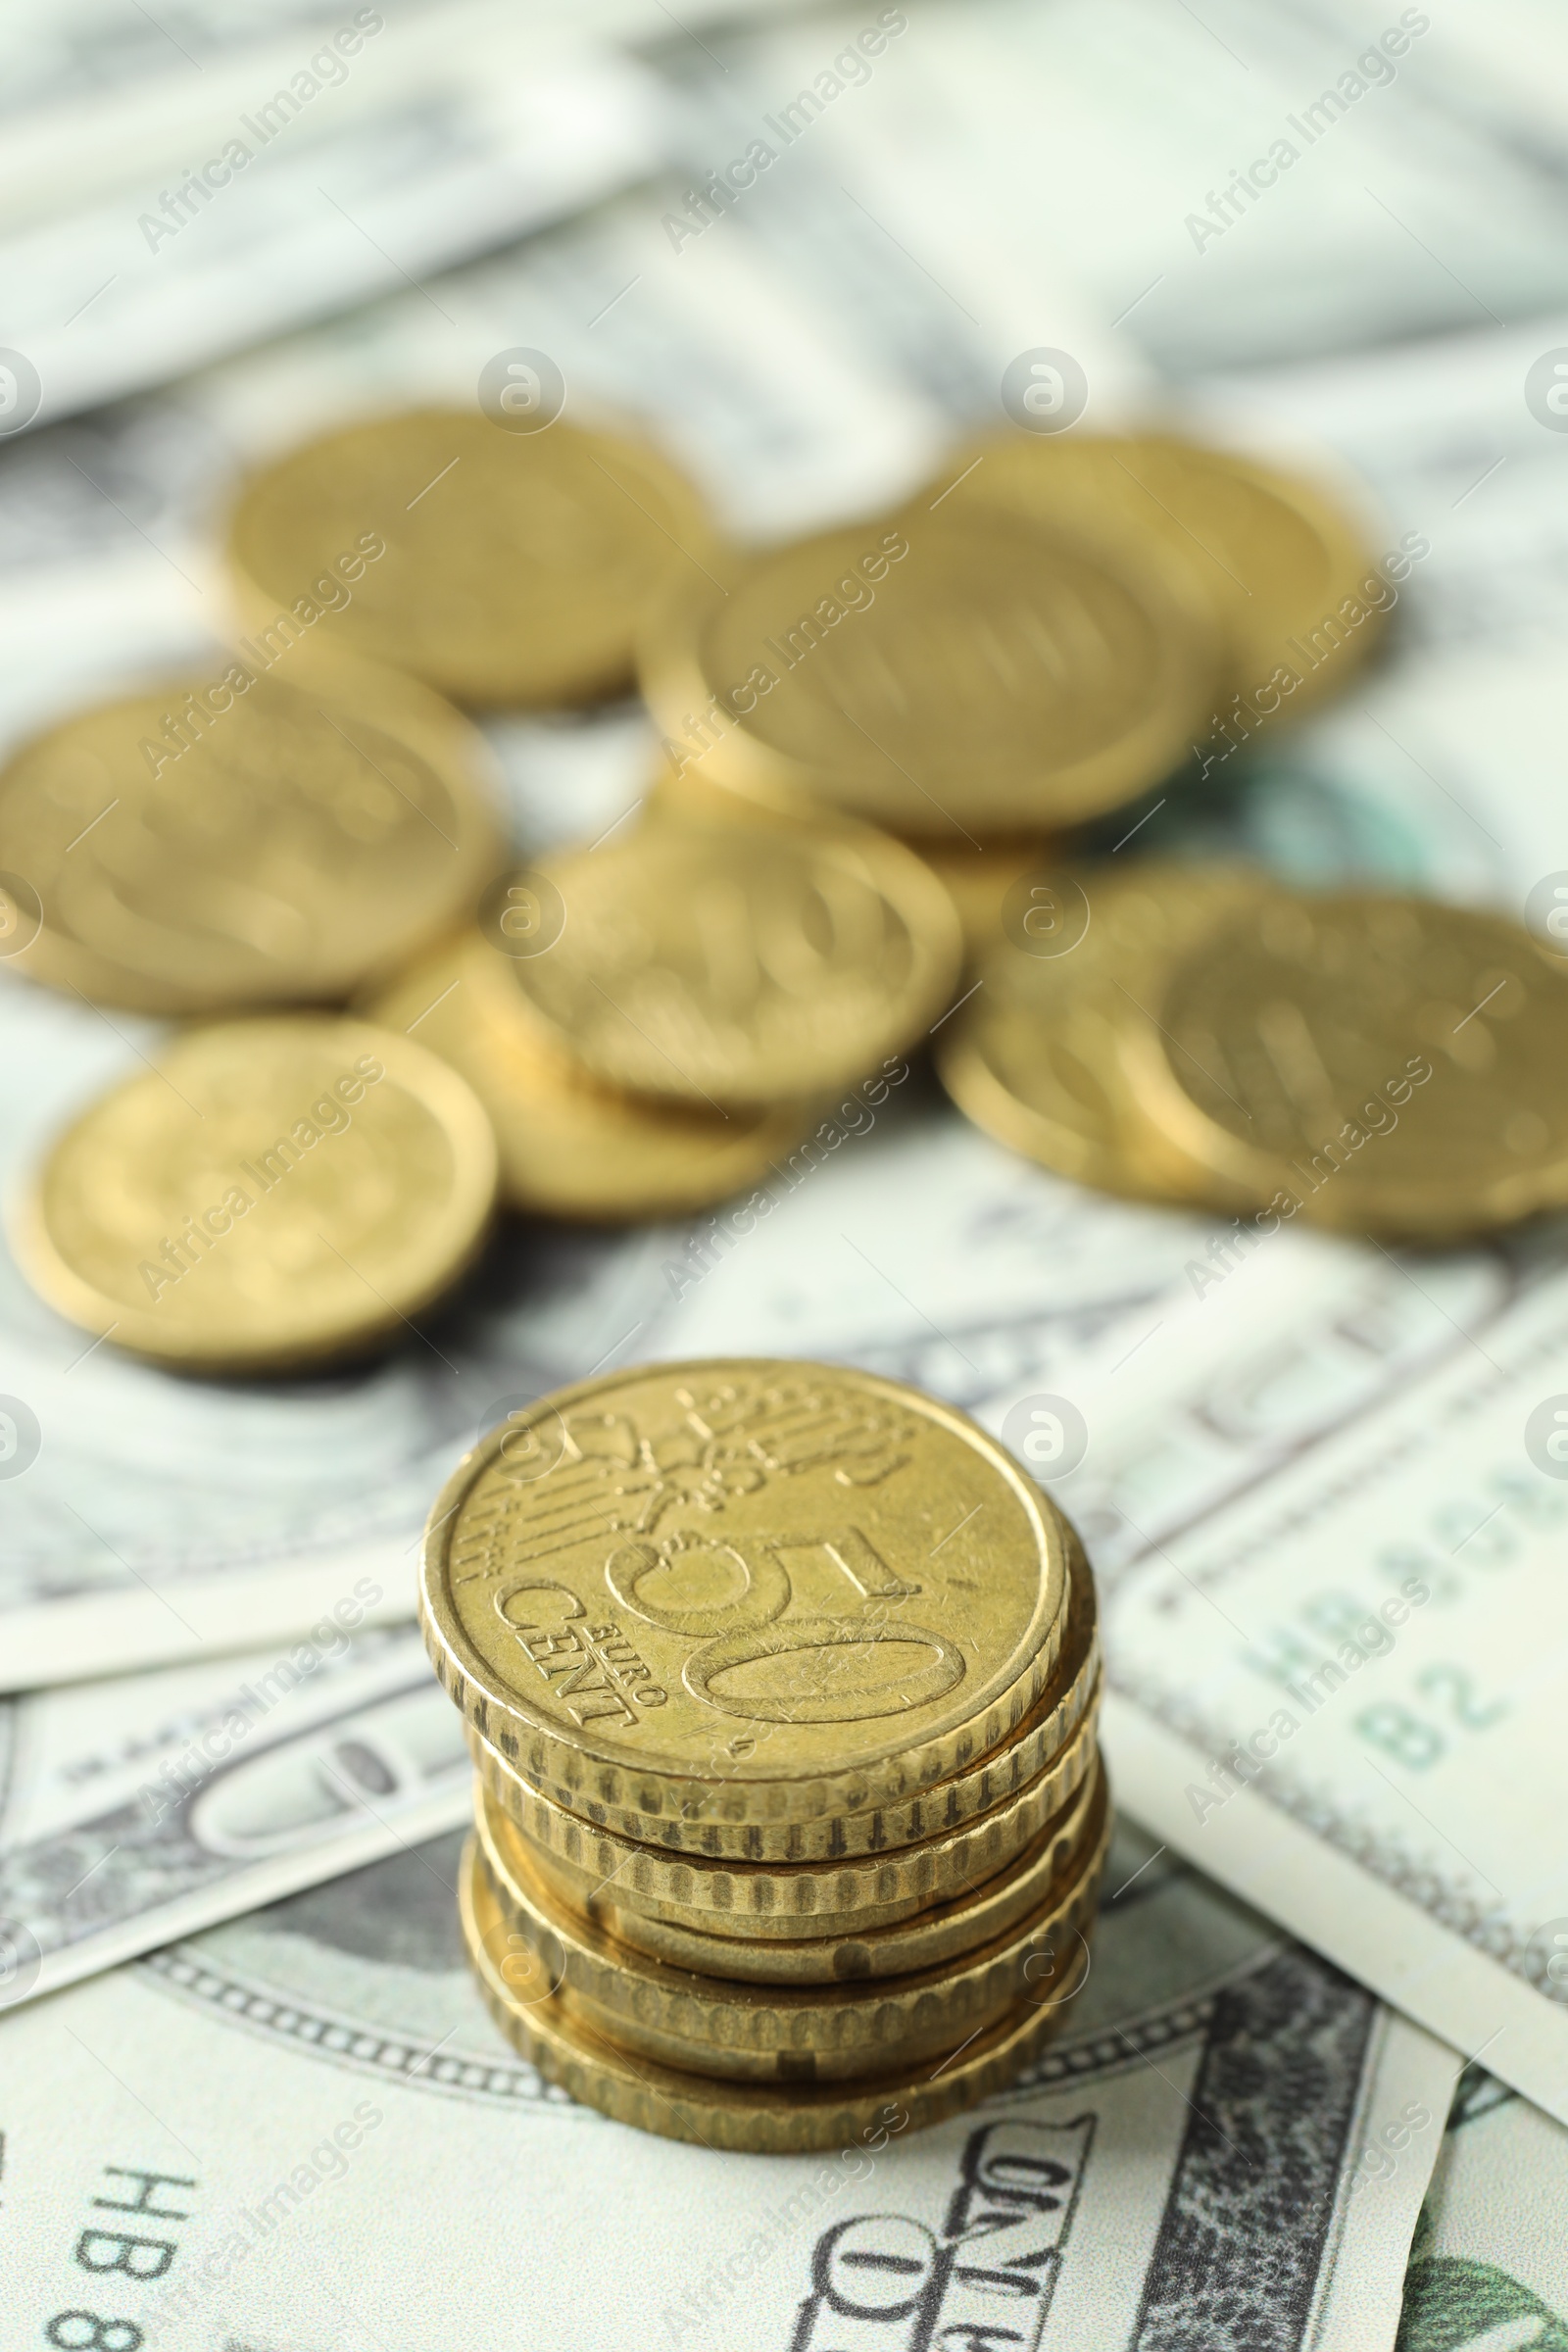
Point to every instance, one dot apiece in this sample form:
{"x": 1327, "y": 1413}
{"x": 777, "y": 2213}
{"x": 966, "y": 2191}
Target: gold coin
{"x": 1033, "y": 1057}
{"x": 502, "y": 568}
{"x": 722, "y": 965}
{"x": 780, "y": 1587}
{"x": 1294, "y": 590}
{"x": 787, "y": 2033}
{"x": 268, "y": 1193}
{"x": 760, "y": 2117}
{"x": 1071, "y": 1694}
{"x": 1376, "y": 1063}
{"x": 220, "y": 843}
{"x": 951, "y": 676}
{"x": 571, "y": 1147}
{"x": 926, "y": 1939}
{"x": 787, "y": 1903}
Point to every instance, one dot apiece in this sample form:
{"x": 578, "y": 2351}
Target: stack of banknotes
{"x": 1314, "y": 2085}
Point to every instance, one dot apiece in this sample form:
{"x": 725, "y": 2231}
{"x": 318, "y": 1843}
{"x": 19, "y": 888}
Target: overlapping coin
{"x": 960, "y": 673}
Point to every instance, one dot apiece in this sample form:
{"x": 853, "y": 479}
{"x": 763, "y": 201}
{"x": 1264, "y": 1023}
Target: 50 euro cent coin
{"x": 566, "y": 1821}
{"x": 803, "y": 1588}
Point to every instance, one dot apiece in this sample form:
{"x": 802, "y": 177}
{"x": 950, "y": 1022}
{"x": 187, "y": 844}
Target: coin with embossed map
{"x": 270, "y": 1191}
{"x": 770, "y": 1589}
{"x": 242, "y": 840}
{"x": 735, "y": 966}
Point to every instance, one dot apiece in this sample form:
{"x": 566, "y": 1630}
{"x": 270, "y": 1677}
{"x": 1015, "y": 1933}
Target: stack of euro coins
{"x": 1362, "y": 1061}
{"x": 1050, "y": 628}
{"x": 781, "y": 1683}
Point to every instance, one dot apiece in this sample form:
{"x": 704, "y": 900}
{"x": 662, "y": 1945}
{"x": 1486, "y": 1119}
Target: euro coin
{"x": 734, "y": 966}
{"x": 570, "y": 2050}
{"x": 939, "y": 1933}
{"x": 247, "y": 840}
{"x": 951, "y": 676}
{"x": 795, "y": 1589}
{"x": 791, "y": 1901}
{"x": 562, "y": 1817}
{"x": 1296, "y": 593}
{"x": 1373, "y": 1062}
{"x": 569, "y": 1146}
{"x": 1034, "y": 1057}
{"x": 796, "y": 2032}
{"x": 502, "y": 568}
{"x": 268, "y": 1193}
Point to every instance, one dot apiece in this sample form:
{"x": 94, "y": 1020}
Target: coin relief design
{"x": 516, "y": 567}
{"x": 726, "y": 1578}
{"x": 270, "y": 1191}
{"x": 731, "y": 965}
{"x": 568, "y": 1821}
{"x": 227, "y": 844}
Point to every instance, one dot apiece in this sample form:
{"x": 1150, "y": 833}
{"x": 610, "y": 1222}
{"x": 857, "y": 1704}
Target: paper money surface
{"x": 1490, "y": 2263}
{"x": 253, "y": 2140}
{"x": 147, "y": 1807}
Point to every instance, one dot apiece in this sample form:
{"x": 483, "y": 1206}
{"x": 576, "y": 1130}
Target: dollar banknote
{"x": 301, "y": 2133}
{"x": 147, "y": 1807}
{"x": 1490, "y": 2263}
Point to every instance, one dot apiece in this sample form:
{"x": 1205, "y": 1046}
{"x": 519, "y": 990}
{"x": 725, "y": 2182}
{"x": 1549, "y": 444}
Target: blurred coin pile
{"x": 861, "y": 732}
{"x": 781, "y": 1683}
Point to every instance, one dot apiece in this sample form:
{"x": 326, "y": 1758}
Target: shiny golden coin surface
{"x": 502, "y": 568}
{"x": 927, "y": 1938}
{"x": 270, "y": 1191}
{"x": 766, "y": 2118}
{"x": 1378, "y": 1064}
{"x": 569, "y": 1146}
{"x": 789, "y": 1901}
{"x": 1295, "y": 591}
{"x": 787, "y": 2033}
{"x": 948, "y": 675}
{"x": 1035, "y": 1057}
{"x": 722, "y": 965}
{"x": 245, "y": 840}
{"x": 791, "y": 1587}
{"x": 560, "y": 1817}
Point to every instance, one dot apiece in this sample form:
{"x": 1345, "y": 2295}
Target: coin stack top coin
{"x": 779, "y": 1591}
{"x": 781, "y": 1683}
